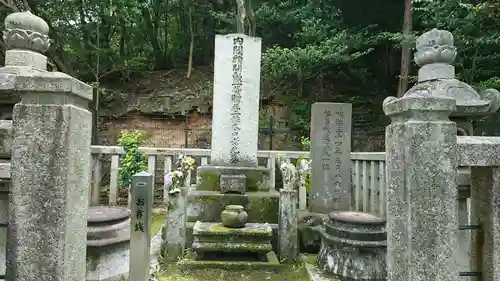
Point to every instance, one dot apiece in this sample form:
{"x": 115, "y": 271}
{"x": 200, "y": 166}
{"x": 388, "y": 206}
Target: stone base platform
{"x": 191, "y": 264}
{"x": 190, "y": 227}
{"x": 207, "y": 206}
{"x": 353, "y": 247}
{"x": 255, "y": 178}
{"x": 108, "y": 243}
{"x": 214, "y": 237}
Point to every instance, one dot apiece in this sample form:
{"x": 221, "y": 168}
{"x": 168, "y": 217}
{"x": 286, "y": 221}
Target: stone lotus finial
{"x": 23, "y": 30}
{"x": 435, "y": 46}
{"x": 436, "y": 80}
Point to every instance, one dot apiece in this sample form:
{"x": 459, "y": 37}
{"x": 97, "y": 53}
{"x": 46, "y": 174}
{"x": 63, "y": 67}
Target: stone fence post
{"x": 50, "y": 159}
{"x": 421, "y": 161}
{"x": 482, "y": 154}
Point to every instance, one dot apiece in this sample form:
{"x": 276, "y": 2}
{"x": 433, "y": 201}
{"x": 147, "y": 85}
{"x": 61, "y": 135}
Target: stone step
{"x": 232, "y": 265}
{"x": 214, "y": 237}
{"x": 190, "y": 226}
{"x": 232, "y": 247}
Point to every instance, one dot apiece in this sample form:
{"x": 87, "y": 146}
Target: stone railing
{"x": 368, "y": 169}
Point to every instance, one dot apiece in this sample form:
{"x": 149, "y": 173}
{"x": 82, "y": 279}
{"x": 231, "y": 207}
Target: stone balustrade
{"x": 367, "y": 170}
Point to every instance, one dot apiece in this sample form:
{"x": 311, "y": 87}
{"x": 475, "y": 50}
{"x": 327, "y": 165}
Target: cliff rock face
{"x": 163, "y": 93}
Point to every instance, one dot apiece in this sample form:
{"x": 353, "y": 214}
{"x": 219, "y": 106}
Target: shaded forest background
{"x": 313, "y": 50}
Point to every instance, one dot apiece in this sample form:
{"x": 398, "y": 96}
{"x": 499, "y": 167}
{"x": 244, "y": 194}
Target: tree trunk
{"x": 405, "y": 49}
{"x": 252, "y": 25}
{"x": 153, "y": 38}
{"x": 240, "y": 16}
{"x": 191, "y": 43}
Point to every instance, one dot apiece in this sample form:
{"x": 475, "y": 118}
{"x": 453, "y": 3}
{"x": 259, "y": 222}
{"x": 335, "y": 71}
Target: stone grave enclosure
{"x": 233, "y": 213}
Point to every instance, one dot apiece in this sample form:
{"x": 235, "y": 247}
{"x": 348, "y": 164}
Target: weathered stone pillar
{"x": 421, "y": 157}
{"x": 174, "y": 233}
{"x": 485, "y": 254}
{"x": 50, "y": 159}
{"x": 288, "y": 228}
{"x": 5, "y": 150}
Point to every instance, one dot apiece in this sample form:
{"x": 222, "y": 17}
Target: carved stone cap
{"x": 419, "y": 106}
{"x": 26, "y": 31}
{"x": 435, "y": 46}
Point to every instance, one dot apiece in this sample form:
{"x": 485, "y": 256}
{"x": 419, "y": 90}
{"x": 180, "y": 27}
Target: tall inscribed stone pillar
{"x": 50, "y": 159}
{"x": 235, "y": 121}
{"x": 421, "y": 157}
{"x": 235, "y": 118}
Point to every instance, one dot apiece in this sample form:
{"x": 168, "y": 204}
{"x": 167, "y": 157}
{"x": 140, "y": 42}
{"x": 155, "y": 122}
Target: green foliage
{"x": 300, "y": 117}
{"x": 133, "y": 161}
{"x": 305, "y": 143}
{"x": 476, "y": 30}
{"x": 313, "y": 50}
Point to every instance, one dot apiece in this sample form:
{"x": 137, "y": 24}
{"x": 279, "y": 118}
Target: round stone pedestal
{"x": 353, "y": 247}
{"x": 108, "y": 243}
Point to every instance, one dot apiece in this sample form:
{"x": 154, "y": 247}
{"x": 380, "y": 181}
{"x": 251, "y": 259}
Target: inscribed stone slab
{"x": 331, "y": 154}
{"x": 235, "y": 121}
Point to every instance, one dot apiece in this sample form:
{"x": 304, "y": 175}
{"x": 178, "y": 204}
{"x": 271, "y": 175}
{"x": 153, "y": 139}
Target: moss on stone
{"x": 261, "y": 207}
{"x": 265, "y": 207}
{"x": 310, "y": 239}
{"x": 255, "y": 181}
{"x": 310, "y": 259}
{"x": 234, "y": 266}
{"x": 234, "y": 247}
{"x": 93, "y": 258}
{"x": 209, "y": 181}
{"x": 221, "y": 229}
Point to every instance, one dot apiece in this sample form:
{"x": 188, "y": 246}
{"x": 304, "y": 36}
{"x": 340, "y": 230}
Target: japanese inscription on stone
{"x": 331, "y": 145}
{"x": 139, "y": 212}
{"x": 235, "y": 118}
{"x": 237, "y": 80}
{"x": 140, "y": 232}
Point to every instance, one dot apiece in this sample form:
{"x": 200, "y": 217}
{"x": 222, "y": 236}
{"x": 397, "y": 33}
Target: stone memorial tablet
{"x": 331, "y": 157}
{"x": 235, "y": 123}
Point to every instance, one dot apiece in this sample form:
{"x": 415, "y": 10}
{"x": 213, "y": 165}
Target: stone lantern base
{"x": 353, "y": 247}
{"x": 108, "y": 243}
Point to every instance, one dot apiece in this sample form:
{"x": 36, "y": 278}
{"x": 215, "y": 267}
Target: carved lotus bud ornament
{"x": 435, "y": 46}
{"x": 23, "y": 30}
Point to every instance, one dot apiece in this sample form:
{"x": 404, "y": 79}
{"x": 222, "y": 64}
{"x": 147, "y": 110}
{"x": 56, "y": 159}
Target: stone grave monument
{"x": 233, "y": 176}
{"x": 331, "y": 151}
{"x": 235, "y": 121}
{"x": 50, "y": 159}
